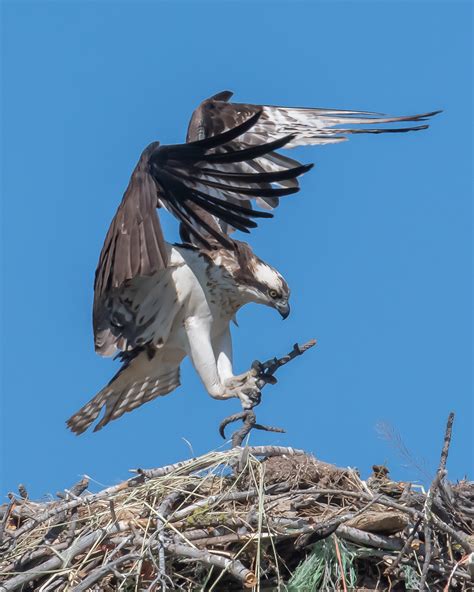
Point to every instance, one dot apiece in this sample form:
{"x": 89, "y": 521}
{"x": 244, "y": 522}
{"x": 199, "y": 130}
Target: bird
{"x": 156, "y": 302}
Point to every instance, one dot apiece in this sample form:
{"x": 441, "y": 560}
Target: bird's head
{"x": 260, "y": 282}
{"x": 270, "y": 288}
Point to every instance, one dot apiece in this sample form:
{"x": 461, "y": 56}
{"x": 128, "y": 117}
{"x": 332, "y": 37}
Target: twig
{"x": 249, "y": 423}
{"x": 264, "y": 372}
{"x": 428, "y": 554}
{"x": 339, "y": 560}
{"x": 460, "y": 538}
{"x": 453, "y": 571}
{"x": 212, "y": 499}
{"x": 189, "y": 466}
{"x": 58, "y": 561}
{"x": 5, "y": 519}
{"x": 233, "y": 566}
{"x": 271, "y": 366}
{"x": 447, "y": 442}
{"x": 440, "y": 474}
{"x": 406, "y": 547}
{"x": 354, "y": 535}
{"x": 383, "y": 500}
{"x": 164, "y": 511}
{"x": 98, "y": 573}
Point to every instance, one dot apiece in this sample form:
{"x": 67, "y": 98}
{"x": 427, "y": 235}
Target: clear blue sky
{"x": 376, "y": 247}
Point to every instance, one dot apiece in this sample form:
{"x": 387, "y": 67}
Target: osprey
{"x": 156, "y": 302}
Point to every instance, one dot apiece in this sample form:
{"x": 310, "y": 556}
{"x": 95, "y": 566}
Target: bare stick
{"x": 264, "y": 372}
{"x": 271, "y": 366}
{"x": 405, "y": 548}
{"x": 98, "y": 573}
{"x": 164, "y": 511}
{"x": 360, "y": 537}
{"x": 233, "y": 566}
{"x": 5, "y": 518}
{"x": 58, "y": 561}
{"x": 447, "y": 442}
{"x": 440, "y": 474}
{"x": 249, "y": 423}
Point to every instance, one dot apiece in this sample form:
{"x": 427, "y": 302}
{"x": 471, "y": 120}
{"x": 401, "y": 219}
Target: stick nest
{"x": 257, "y": 517}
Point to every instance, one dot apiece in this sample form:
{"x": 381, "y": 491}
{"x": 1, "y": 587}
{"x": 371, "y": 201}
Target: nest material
{"x": 258, "y": 517}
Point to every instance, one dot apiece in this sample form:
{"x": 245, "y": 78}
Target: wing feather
{"x": 134, "y": 245}
{"x": 252, "y": 148}
{"x": 309, "y": 126}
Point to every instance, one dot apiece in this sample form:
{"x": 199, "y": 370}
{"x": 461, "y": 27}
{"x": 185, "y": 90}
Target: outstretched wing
{"x": 215, "y": 176}
{"x": 307, "y": 126}
{"x": 207, "y": 185}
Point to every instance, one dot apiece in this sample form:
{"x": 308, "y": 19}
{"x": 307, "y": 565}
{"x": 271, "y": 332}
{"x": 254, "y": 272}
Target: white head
{"x": 262, "y": 283}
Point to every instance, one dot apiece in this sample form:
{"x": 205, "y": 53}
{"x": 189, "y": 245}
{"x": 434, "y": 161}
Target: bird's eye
{"x": 273, "y": 294}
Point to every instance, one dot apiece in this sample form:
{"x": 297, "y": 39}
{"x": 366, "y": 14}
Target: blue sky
{"x": 377, "y": 247}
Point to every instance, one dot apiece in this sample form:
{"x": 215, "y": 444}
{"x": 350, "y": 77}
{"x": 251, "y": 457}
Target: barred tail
{"x": 141, "y": 379}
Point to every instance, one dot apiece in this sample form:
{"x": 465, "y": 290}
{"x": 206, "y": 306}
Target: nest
{"x": 267, "y": 518}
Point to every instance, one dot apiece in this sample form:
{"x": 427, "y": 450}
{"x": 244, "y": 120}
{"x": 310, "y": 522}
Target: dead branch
{"x": 265, "y": 374}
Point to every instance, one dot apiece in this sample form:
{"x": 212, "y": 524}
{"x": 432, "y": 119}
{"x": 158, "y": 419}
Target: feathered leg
{"x": 212, "y": 360}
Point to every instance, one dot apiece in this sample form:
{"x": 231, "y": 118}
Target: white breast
{"x": 203, "y": 289}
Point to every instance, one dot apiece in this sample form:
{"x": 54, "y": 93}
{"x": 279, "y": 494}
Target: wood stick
{"x": 98, "y": 573}
{"x": 427, "y": 511}
{"x": 406, "y": 547}
{"x": 233, "y": 566}
{"x": 360, "y": 537}
{"x": 5, "y": 519}
{"x": 265, "y": 375}
{"x": 57, "y": 562}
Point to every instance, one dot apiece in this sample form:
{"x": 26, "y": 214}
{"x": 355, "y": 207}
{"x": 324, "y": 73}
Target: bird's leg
{"x": 212, "y": 359}
{"x": 201, "y": 352}
{"x": 243, "y": 385}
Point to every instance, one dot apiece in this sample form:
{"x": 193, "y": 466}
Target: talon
{"x": 250, "y": 397}
{"x": 270, "y": 363}
{"x": 258, "y": 366}
{"x": 254, "y": 394}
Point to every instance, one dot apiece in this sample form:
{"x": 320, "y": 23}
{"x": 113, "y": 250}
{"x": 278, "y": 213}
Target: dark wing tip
{"x": 433, "y": 113}
{"x": 288, "y": 191}
{"x": 224, "y": 95}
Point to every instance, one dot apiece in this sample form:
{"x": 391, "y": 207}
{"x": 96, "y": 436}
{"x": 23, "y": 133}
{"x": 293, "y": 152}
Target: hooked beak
{"x": 283, "y": 308}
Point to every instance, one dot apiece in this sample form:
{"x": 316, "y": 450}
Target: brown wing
{"x": 134, "y": 246}
{"x": 216, "y": 177}
{"x": 207, "y": 186}
{"x": 308, "y": 126}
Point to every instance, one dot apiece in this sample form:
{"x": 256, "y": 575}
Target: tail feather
{"x": 141, "y": 379}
